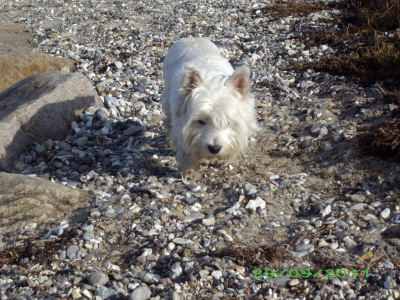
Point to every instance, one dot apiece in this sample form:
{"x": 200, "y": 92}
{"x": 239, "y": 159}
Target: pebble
{"x": 107, "y": 293}
{"x": 254, "y": 204}
{"x": 72, "y": 252}
{"x": 326, "y": 211}
{"x": 140, "y": 293}
{"x": 357, "y": 198}
{"x": 349, "y": 243}
{"x": 293, "y": 282}
{"x": 176, "y": 271}
{"x": 358, "y": 206}
{"x": 333, "y": 246}
{"x": 82, "y": 141}
{"x": 305, "y": 144}
{"x": 385, "y": 213}
{"x": 98, "y": 278}
{"x": 368, "y": 255}
{"x": 208, "y": 222}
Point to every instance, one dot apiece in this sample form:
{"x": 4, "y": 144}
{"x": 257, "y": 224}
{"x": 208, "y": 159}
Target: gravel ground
{"x": 302, "y": 201}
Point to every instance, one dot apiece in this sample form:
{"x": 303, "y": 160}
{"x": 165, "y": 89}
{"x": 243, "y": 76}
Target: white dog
{"x": 208, "y": 105}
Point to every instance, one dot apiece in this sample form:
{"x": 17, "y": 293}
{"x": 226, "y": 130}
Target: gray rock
{"x": 349, "y": 243}
{"x": 337, "y": 137}
{"x": 342, "y": 224}
{"x": 305, "y": 247}
{"x": 118, "y": 64}
{"x": 281, "y": 281}
{"x": 106, "y": 293}
{"x": 72, "y": 252}
{"x": 98, "y": 278}
{"x": 64, "y": 146}
{"x": 318, "y": 129}
{"x": 102, "y": 114}
{"x": 132, "y": 130}
{"x": 63, "y": 255}
{"x": 41, "y": 107}
{"x": 194, "y": 216}
{"x": 40, "y": 148}
{"x": 305, "y": 144}
{"x": 298, "y": 254}
{"x": 385, "y": 213}
{"x": 176, "y": 271}
{"x": 358, "y": 206}
{"x": 22, "y": 297}
{"x": 82, "y": 141}
{"x": 216, "y": 274}
{"x": 140, "y": 293}
{"x": 25, "y": 199}
{"x": 87, "y": 236}
{"x": 147, "y": 277}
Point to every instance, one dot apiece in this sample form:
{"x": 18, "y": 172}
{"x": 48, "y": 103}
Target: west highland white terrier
{"x": 208, "y": 106}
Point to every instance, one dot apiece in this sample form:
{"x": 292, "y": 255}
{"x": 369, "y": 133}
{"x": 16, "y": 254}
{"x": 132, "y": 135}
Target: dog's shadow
{"x": 130, "y": 150}
{"x": 150, "y": 149}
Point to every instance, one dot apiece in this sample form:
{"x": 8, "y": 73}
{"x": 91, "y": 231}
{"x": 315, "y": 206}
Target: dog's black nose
{"x": 214, "y": 149}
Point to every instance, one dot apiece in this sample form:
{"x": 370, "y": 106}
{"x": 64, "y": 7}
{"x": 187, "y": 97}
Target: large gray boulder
{"x": 25, "y": 200}
{"x": 41, "y": 107}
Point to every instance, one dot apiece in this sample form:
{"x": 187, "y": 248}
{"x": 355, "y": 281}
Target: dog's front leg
{"x": 187, "y": 165}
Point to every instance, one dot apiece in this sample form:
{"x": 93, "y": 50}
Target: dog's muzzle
{"x": 214, "y": 149}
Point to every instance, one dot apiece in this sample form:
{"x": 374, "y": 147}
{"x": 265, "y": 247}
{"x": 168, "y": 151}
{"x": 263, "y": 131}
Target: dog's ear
{"x": 192, "y": 78}
{"x": 240, "y": 80}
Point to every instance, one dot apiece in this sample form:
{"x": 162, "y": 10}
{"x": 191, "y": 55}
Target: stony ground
{"x": 303, "y": 203}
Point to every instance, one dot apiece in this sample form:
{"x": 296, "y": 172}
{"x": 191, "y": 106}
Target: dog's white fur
{"x": 208, "y": 105}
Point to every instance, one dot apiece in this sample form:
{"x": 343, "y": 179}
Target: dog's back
{"x": 199, "y": 52}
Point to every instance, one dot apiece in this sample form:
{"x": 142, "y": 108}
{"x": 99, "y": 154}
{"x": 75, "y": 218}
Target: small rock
{"x": 98, "y": 278}
{"x": 40, "y": 148}
{"x": 106, "y": 293}
{"x": 175, "y": 296}
{"x": 333, "y": 246}
{"x": 322, "y": 243}
{"x": 216, "y": 274}
{"x": 326, "y": 211}
{"x": 194, "y": 216}
{"x": 72, "y": 252}
{"x": 180, "y": 241}
{"x": 132, "y": 130}
{"x": 368, "y": 255}
{"x": 358, "y": 206}
{"x": 357, "y": 198}
{"x": 147, "y": 277}
{"x": 345, "y": 176}
{"x": 208, "y": 222}
{"x": 385, "y": 213}
{"x": 328, "y": 171}
{"x": 140, "y": 293}
{"x": 258, "y": 202}
{"x": 293, "y": 282}
{"x": 176, "y": 271}
{"x": 349, "y": 243}
{"x": 118, "y": 64}
{"x": 305, "y": 247}
{"x": 305, "y": 144}
{"x": 82, "y": 141}
{"x": 342, "y": 224}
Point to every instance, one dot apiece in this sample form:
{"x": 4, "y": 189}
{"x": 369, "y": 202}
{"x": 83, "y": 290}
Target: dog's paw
{"x": 187, "y": 174}
{"x": 213, "y": 162}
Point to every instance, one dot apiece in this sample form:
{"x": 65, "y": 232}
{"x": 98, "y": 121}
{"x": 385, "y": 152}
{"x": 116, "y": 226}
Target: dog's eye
{"x": 201, "y": 122}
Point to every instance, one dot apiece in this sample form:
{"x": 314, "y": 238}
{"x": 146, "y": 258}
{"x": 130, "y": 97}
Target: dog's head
{"x": 217, "y": 113}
